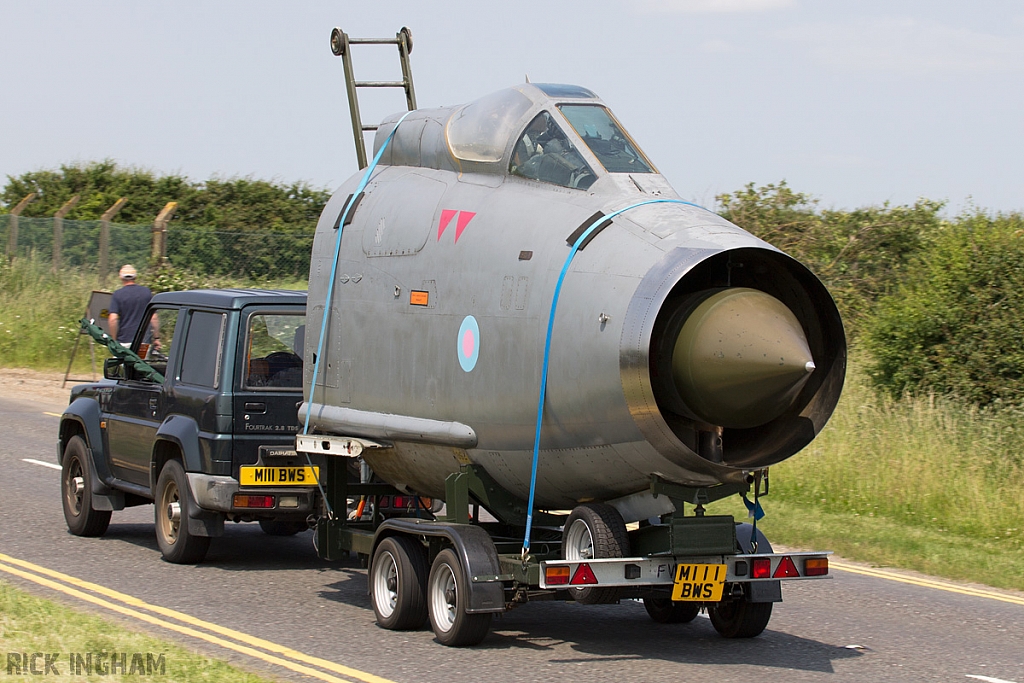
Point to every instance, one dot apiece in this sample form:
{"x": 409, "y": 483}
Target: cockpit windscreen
{"x": 609, "y": 143}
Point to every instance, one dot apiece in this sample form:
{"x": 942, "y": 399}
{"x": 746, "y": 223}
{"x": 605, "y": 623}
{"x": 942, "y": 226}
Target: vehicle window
{"x": 543, "y": 152}
{"x": 201, "y": 361}
{"x": 155, "y": 347}
{"x": 606, "y": 139}
{"x": 274, "y": 345}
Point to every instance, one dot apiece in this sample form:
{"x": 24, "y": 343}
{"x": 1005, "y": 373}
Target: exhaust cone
{"x": 740, "y": 359}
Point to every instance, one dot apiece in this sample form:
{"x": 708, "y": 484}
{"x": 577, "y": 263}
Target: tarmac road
{"x": 269, "y": 605}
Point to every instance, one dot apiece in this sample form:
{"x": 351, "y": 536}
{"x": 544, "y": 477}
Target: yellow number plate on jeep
{"x": 249, "y": 475}
{"x": 699, "y": 582}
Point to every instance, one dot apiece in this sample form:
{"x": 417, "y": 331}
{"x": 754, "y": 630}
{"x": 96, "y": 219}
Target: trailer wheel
{"x": 739, "y": 618}
{"x": 171, "y": 510}
{"x": 398, "y": 578}
{"x": 668, "y": 611}
{"x": 447, "y": 598}
{"x": 594, "y": 530}
{"x": 76, "y": 487}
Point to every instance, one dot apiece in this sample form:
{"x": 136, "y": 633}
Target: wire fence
{"x": 202, "y": 250}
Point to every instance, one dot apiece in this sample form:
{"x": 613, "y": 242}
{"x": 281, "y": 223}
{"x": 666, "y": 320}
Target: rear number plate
{"x": 699, "y": 582}
{"x": 278, "y": 476}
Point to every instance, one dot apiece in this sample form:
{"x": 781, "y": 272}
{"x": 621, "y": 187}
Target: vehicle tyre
{"x": 76, "y": 492}
{"x": 594, "y": 530}
{"x": 739, "y": 618}
{"x": 276, "y": 527}
{"x": 447, "y": 600}
{"x": 668, "y": 611}
{"x": 398, "y": 584}
{"x": 172, "y": 504}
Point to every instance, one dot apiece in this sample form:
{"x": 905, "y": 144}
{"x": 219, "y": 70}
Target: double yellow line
{"x": 927, "y": 583}
{"x": 155, "y": 615}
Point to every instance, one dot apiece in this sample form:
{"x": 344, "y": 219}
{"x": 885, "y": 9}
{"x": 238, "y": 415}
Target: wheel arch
{"x": 177, "y": 437}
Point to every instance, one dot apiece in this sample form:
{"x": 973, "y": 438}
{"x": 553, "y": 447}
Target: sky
{"x": 854, "y": 103}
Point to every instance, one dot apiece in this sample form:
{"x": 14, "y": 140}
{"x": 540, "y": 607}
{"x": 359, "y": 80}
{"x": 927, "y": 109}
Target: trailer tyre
{"x": 398, "y": 584}
{"x": 172, "y": 505}
{"x": 740, "y": 619}
{"x": 76, "y": 490}
{"x": 447, "y": 599}
{"x": 594, "y": 530}
{"x": 668, "y": 611}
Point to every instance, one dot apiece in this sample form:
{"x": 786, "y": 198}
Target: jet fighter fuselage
{"x": 681, "y": 345}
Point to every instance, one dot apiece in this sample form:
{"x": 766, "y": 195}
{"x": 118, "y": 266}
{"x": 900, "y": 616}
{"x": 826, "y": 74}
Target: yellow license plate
{"x": 278, "y": 476}
{"x": 699, "y": 582}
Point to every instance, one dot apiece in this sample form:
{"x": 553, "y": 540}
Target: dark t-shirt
{"x": 129, "y": 303}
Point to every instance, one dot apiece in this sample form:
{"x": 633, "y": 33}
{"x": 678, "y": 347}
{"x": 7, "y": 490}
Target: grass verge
{"x": 29, "y": 624}
{"x": 887, "y": 543}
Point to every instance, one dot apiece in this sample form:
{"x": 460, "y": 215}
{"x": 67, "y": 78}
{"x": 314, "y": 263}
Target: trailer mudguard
{"x": 476, "y": 552}
{"x": 759, "y": 591}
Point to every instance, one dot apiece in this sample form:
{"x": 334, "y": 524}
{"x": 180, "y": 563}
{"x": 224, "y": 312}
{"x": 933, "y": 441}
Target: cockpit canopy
{"x": 560, "y": 134}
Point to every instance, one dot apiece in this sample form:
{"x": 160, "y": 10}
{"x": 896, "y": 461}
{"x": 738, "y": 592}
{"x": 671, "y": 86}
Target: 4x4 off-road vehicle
{"x": 213, "y": 441}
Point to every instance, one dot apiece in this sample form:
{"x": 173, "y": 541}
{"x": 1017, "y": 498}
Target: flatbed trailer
{"x": 457, "y": 569}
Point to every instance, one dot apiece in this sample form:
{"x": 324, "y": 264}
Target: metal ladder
{"x": 340, "y": 43}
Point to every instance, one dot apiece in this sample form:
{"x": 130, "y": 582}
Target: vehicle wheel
{"x": 668, "y": 611}
{"x": 177, "y": 545}
{"x": 275, "y": 527}
{"x": 76, "y": 490}
{"x": 398, "y": 584}
{"x": 447, "y": 598}
{"x": 739, "y": 618}
{"x": 594, "y": 530}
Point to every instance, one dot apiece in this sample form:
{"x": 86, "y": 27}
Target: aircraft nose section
{"x": 741, "y": 359}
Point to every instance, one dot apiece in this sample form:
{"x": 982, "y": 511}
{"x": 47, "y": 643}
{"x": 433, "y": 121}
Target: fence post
{"x": 12, "y": 233}
{"x": 58, "y": 230}
{"x": 160, "y": 233}
{"x": 105, "y": 239}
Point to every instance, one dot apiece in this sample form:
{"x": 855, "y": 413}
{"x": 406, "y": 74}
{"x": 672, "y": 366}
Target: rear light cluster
{"x": 559, "y": 576}
{"x": 816, "y": 567}
{"x": 244, "y": 500}
{"x": 404, "y": 502}
{"x": 762, "y": 568}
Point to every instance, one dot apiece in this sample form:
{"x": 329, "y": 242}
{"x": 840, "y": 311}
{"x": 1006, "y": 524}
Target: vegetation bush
{"x": 956, "y": 323}
{"x": 860, "y": 255}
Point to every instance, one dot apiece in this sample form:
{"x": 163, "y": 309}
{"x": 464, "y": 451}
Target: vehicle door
{"x": 136, "y": 406}
{"x": 270, "y": 387}
{"x": 198, "y": 390}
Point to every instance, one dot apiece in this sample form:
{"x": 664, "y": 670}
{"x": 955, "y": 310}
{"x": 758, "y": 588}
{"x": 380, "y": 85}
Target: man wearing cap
{"x": 127, "y": 306}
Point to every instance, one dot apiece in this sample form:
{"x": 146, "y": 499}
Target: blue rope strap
{"x": 547, "y": 348}
{"x": 334, "y": 266}
{"x": 327, "y": 303}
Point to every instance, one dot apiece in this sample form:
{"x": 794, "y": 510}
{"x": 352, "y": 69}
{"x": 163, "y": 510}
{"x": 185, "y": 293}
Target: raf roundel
{"x": 469, "y": 343}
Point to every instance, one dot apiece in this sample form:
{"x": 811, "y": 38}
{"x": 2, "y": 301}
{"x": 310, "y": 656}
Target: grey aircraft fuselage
{"x": 682, "y": 345}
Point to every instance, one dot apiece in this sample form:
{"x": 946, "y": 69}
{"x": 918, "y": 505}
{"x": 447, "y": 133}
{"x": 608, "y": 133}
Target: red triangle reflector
{"x": 786, "y": 569}
{"x": 584, "y": 575}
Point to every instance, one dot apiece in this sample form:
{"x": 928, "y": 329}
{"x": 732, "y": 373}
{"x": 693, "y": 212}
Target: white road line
{"x": 51, "y": 465}
{"x": 988, "y": 679}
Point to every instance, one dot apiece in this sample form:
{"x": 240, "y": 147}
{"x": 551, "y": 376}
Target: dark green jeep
{"x": 214, "y": 441}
